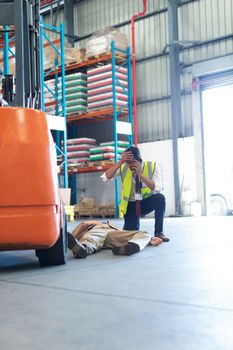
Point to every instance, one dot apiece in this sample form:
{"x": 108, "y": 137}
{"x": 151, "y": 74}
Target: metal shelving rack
{"x": 118, "y": 58}
{"x": 59, "y": 65}
{"x": 7, "y": 49}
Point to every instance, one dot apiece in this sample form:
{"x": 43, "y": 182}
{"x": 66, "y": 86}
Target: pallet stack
{"x": 107, "y": 210}
{"x": 76, "y": 93}
{"x": 48, "y": 97}
{"x": 123, "y": 144}
{"x": 73, "y": 55}
{"x": 100, "y": 87}
{"x": 104, "y": 153}
{"x": 99, "y": 43}
{"x": 78, "y": 150}
{"x": 87, "y": 207}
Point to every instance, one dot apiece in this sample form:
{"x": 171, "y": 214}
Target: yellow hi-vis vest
{"x": 127, "y": 180}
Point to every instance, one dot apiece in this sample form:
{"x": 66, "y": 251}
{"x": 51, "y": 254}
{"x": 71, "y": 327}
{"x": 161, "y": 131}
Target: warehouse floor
{"x": 176, "y": 296}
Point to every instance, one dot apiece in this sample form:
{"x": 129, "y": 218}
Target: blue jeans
{"x": 156, "y": 203}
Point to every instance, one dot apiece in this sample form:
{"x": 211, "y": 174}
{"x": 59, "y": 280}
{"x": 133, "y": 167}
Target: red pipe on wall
{"x": 140, "y": 14}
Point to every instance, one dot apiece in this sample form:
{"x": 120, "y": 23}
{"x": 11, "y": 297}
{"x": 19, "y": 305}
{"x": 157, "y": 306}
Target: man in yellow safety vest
{"x": 141, "y": 190}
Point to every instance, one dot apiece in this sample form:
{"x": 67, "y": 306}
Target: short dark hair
{"x": 135, "y": 151}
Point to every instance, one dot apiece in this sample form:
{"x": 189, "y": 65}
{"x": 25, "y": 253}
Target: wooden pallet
{"x": 104, "y": 54}
{"x": 77, "y": 165}
{"x": 101, "y": 163}
{"x": 76, "y": 113}
{"x": 100, "y": 109}
{"x": 98, "y": 56}
{"x": 96, "y": 114}
{"x": 74, "y": 62}
{"x": 71, "y": 63}
{"x": 77, "y": 216}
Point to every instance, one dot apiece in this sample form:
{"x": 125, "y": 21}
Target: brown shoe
{"x": 127, "y": 249}
{"x": 163, "y": 237}
{"x": 78, "y": 250}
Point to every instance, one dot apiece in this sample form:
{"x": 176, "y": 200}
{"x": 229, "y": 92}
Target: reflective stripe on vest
{"x": 126, "y": 177}
{"x": 148, "y": 171}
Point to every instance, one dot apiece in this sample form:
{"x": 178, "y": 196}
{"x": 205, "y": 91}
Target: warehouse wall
{"x": 209, "y": 21}
{"x": 200, "y": 20}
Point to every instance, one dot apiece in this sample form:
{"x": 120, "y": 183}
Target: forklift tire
{"x": 57, "y": 254}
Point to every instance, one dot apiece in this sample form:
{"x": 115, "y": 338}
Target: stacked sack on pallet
{"x": 100, "y": 42}
{"x": 106, "y": 151}
{"x": 100, "y": 87}
{"x": 76, "y": 93}
{"x": 48, "y": 97}
{"x": 78, "y": 150}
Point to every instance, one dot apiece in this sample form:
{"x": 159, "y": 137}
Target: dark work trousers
{"x": 156, "y": 203}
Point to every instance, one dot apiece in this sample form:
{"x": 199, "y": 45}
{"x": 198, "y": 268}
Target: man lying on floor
{"x": 91, "y": 236}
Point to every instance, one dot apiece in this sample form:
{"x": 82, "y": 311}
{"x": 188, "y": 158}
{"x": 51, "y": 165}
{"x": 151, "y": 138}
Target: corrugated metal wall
{"x": 95, "y": 14}
{"x": 199, "y": 20}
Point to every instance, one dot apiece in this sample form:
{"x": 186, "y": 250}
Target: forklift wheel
{"x": 57, "y": 254}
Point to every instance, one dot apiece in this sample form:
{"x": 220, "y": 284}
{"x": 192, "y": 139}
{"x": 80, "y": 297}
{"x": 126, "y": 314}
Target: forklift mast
{"x": 24, "y": 15}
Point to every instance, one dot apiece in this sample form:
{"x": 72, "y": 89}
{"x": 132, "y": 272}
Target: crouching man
{"x": 91, "y": 236}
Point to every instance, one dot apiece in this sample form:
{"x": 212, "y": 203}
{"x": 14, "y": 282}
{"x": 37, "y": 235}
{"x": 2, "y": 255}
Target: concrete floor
{"x": 178, "y": 296}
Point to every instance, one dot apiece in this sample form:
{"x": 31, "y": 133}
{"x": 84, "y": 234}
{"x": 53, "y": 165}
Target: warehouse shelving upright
{"x": 6, "y": 46}
{"x": 59, "y": 64}
{"x": 7, "y": 50}
{"x": 116, "y": 112}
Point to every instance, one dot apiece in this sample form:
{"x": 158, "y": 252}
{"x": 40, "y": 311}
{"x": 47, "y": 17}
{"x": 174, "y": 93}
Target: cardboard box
{"x": 65, "y": 194}
{"x": 88, "y": 202}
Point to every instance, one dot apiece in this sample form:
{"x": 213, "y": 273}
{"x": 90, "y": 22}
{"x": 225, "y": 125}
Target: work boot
{"x": 128, "y": 249}
{"x": 163, "y": 237}
{"x": 78, "y": 249}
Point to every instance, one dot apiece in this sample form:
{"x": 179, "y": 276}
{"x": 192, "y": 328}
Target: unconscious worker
{"x": 92, "y": 236}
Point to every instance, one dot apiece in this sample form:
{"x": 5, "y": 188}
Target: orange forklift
{"x": 31, "y": 213}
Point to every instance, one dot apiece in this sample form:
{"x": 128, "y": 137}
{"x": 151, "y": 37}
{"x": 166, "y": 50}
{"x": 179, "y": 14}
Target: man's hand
{"x": 137, "y": 167}
{"x": 155, "y": 241}
{"x": 127, "y": 156}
